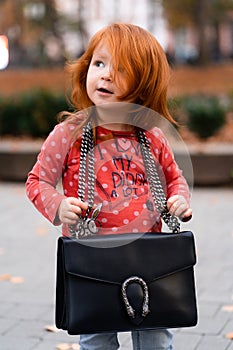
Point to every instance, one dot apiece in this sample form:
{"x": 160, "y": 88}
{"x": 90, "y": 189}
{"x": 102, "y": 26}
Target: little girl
{"x": 122, "y": 77}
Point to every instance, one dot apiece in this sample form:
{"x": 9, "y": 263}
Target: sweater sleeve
{"x": 171, "y": 174}
{"x": 42, "y": 181}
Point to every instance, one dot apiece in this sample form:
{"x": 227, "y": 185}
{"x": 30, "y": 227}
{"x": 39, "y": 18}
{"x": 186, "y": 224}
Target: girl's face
{"x": 100, "y": 85}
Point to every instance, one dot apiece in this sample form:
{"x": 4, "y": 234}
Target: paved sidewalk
{"x": 27, "y": 274}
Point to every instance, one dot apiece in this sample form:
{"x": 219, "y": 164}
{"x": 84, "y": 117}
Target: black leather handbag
{"x": 125, "y": 282}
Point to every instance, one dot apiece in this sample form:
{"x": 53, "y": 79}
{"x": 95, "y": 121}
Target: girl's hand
{"x": 178, "y": 206}
{"x": 70, "y": 209}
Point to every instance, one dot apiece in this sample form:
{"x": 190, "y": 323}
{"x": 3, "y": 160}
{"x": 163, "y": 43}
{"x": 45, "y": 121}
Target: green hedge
{"x": 206, "y": 115}
{"x": 32, "y": 113}
{"x": 203, "y": 115}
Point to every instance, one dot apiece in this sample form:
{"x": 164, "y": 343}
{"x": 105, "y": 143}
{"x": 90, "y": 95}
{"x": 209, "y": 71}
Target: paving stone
{"x": 45, "y": 345}
{"x": 60, "y": 337}
{"x": 27, "y": 329}
{"x": 10, "y": 343}
{"x": 30, "y": 312}
{"x": 208, "y": 309}
{"x": 231, "y": 346}
{"x": 213, "y": 343}
{"x": 210, "y": 325}
{"x": 6, "y": 307}
{"x": 6, "y": 325}
{"x": 55, "y": 339}
{"x": 229, "y": 326}
{"x": 28, "y": 244}
{"x": 181, "y": 340}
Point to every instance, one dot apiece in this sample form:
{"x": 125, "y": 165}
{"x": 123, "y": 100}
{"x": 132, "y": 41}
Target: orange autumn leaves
{"x": 61, "y": 346}
{"x": 13, "y": 279}
{"x": 228, "y": 308}
{"x": 66, "y": 346}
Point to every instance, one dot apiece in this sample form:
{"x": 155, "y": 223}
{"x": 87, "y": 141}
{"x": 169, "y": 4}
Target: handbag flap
{"x": 115, "y": 257}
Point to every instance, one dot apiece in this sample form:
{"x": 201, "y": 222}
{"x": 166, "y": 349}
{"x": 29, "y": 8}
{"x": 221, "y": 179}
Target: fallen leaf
{"x": 17, "y": 280}
{"x": 63, "y": 346}
{"x": 2, "y": 251}
{"x": 228, "y": 308}
{"x": 52, "y": 328}
{"x": 229, "y": 335}
{"x": 75, "y": 347}
{"x": 5, "y": 277}
{"x": 42, "y": 231}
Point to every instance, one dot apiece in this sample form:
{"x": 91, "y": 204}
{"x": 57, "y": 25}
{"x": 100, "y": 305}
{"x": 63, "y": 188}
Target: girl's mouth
{"x": 105, "y": 91}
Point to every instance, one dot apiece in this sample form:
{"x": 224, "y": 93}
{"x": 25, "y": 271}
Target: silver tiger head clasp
{"x": 145, "y": 307}
{"x": 86, "y": 227}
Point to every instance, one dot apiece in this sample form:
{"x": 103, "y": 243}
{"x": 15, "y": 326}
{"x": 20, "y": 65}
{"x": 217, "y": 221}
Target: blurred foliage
{"x": 32, "y": 113}
{"x": 42, "y": 33}
{"x": 206, "y": 115}
{"x": 37, "y": 30}
{"x": 203, "y": 16}
{"x": 180, "y": 13}
{"x": 230, "y": 96}
{"x": 203, "y": 115}
{"x": 30, "y": 26}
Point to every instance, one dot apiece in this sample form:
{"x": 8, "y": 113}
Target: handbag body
{"x": 126, "y": 282}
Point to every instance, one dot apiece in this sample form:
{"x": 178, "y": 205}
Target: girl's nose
{"x": 107, "y": 75}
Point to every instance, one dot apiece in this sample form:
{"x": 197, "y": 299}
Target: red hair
{"x": 139, "y": 54}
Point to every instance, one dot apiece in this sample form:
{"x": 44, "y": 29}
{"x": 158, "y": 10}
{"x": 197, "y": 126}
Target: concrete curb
{"x": 212, "y": 164}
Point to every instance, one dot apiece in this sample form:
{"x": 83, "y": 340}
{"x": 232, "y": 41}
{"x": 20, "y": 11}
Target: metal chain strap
{"x": 87, "y": 167}
{"x": 87, "y": 162}
{"x": 156, "y": 187}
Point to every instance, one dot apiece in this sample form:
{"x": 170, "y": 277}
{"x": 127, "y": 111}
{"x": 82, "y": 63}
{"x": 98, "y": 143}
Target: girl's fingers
{"x": 179, "y": 210}
{"x": 75, "y": 202}
{"x": 69, "y": 218}
{"x": 184, "y": 214}
{"x": 178, "y": 206}
{"x": 187, "y": 215}
{"x": 171, "y": 201}
{"x": 70, "y": 209}
{"x": 76, "y": 210}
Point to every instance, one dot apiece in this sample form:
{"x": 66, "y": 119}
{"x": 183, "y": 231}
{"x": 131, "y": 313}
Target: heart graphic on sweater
{"x": 124, "y": 144}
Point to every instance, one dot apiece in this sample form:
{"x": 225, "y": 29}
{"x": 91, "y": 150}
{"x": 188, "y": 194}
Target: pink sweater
{"x": 121, "y": 183}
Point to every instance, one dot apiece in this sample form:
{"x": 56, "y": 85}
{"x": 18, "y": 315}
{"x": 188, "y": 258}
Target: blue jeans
{"x": 160, "y": 339}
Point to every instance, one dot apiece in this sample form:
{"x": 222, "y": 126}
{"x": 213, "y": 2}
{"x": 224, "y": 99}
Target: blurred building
{"x": 48, "y": 33}
{"x": 181, "y": 45}
{"x": 94, "y": 14}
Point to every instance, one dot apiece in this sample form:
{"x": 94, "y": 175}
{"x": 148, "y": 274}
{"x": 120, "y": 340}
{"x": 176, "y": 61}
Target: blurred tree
{"x": 33, "y": 31}
{"x": 220, "y": 12}
{"x": 201, "y": 15}
{"x": 11, "y": 20}
{"x": 81, "y": 24}
{"x": 152, "y": 10}
{"x": 42, "y": 22}
{"x": 73, "y": 27}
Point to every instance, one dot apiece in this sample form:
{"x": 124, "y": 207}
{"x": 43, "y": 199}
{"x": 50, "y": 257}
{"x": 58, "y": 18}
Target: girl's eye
{"x": 99, "y": 64}
{"x": 121, "y": 69}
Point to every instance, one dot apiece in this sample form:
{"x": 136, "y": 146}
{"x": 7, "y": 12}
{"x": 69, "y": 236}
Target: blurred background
{"x": 37, "y": 38}
{"x": 41, "y": 33}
